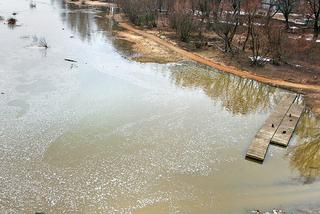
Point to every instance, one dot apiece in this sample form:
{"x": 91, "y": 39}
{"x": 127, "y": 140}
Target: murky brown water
{"x": 108, "y": 135}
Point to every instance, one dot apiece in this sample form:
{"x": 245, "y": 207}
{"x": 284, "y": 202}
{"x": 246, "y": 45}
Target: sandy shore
{"x": 147, "y": 50}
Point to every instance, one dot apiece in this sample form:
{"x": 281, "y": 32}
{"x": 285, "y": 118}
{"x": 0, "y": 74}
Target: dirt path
{"x": 209, "y": 62}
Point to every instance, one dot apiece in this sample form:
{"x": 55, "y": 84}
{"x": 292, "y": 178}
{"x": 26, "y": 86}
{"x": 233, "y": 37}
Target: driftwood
{"x": 70, "y": 60}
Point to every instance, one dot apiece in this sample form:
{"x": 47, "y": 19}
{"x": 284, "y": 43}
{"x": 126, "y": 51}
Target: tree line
{"x": 250, "y": 21}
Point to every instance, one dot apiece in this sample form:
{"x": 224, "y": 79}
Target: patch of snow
{"x": 260, "y": 59}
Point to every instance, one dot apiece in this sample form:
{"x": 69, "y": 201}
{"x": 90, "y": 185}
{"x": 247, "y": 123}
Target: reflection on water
{"x": 109, "y": 135}
{"x": 87, "y": 20}
{"x": 309, "y": 125}
{"x": 238, "y": 95}
{"x": 305, "y": 157}
{"x": 80, "y": 21}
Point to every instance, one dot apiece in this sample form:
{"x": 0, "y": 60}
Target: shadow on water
{"x": 305, "y": 157}
{"x": 237, "y": 95}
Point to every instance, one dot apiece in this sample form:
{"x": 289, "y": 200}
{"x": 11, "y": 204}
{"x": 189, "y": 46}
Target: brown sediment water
{"x": 104, "y": 134}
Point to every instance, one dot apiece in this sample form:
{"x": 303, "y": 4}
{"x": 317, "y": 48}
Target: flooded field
{"x": 108, "y": 135}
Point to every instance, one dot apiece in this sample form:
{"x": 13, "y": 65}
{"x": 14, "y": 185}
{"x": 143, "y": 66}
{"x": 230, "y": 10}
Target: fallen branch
{"x": 70, "y": 60}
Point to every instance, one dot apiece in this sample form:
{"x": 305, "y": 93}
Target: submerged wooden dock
{"x": 288, "y": 125}
{"x": 278, "y": 128}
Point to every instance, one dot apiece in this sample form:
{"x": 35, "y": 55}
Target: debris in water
{"x": 43, "y": 43}
{"x": 14, "y": 13}
{"x": 33, "y": 5}
{"x": 39, "y": 42}
{"x": 2, "y": 92}
{"x": 12, "y": 21}
{"x": 70, "y": 60}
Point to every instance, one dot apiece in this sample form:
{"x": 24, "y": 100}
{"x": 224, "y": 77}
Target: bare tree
{"x": 275, "y": 42}
{"x": 140, "y": 12}
{"x": 226, "y": 23}
{"x": 182, "y": 19}
{"x": 286, "y": 7}
{"x": 314, "y": 7}
{"x": 250, "y": 7}
{"x": 204, "y": 7}
{"x": 267, "y": 24}
{"x": 216, "y": 9}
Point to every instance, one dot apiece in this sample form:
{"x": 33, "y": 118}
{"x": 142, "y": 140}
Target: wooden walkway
{"x": 288, "y": 125}
{"x": 274, "y": 126}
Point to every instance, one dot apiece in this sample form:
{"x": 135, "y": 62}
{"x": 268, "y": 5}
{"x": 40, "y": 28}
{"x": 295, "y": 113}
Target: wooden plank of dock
{"x": 288, "y": 125}
{"x": 259, "y": 146}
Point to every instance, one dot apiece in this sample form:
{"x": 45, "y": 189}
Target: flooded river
{"x": 108, "y": 135}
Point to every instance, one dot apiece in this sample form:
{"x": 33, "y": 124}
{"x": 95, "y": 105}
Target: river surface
{"x": 109, "y": 135}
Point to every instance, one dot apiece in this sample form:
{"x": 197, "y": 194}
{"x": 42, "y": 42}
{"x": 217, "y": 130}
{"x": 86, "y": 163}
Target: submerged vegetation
{"x": 39, "y": 42}
{"x": 43, "y": 43}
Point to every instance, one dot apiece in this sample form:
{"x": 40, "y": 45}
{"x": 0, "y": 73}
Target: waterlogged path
{"x": 109, "y": 135}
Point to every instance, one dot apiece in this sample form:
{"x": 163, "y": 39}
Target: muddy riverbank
{"x": 292, "y": 79}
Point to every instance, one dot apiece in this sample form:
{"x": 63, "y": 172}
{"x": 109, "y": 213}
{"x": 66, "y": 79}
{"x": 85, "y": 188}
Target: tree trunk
{"x": 250, "y": 22}
{"x": 316, "y": 27}
{"x": 287, "y": 21}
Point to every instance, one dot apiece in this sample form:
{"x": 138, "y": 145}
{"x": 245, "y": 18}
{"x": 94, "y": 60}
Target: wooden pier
{"x": 278, "y": 128}
{"x": 288, "y": 125}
